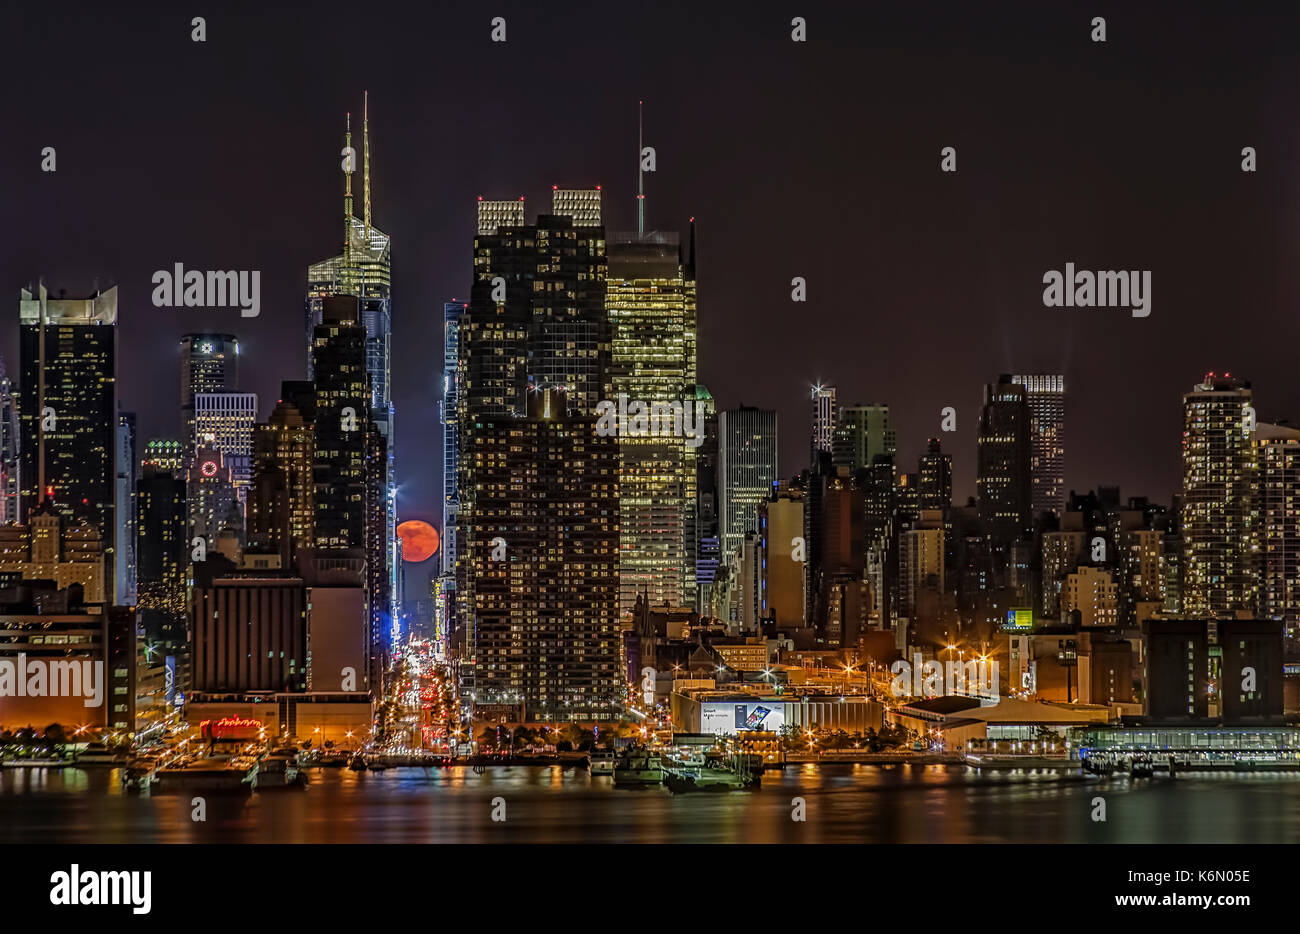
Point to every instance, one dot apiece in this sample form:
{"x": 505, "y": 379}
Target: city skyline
{"x": 434, "y": 425}
{"x": 287, "y": 175}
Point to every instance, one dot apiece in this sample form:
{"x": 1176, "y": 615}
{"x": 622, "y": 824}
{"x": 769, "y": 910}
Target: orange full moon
{"x": 419, "y": 540}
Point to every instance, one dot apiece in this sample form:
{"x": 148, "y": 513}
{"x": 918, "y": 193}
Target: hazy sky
{"x": 818, "y": 159}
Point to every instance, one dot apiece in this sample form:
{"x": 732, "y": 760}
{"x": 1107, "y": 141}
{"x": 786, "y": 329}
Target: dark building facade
{"x": 68, "y": 410}
{"x": 350, "y": 462}
{"x": 1177, "y": 669}
{"x": 339, "y": 427}
{"x": 162, "y": 553}
{"x": 248, "y": 630}
{"x": 1003, "y": 478}
{"x": 1250, "y": 684}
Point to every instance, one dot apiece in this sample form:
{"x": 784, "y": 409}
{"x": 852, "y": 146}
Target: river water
{"x": 842, "y": 803}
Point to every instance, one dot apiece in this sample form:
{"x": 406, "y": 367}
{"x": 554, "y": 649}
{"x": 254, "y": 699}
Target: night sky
{"x": 817, "y": 159}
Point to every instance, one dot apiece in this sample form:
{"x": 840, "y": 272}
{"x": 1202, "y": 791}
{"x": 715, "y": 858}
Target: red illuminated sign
{"x": 228, "y": 725}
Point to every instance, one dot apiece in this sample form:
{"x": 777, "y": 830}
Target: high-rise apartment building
{"x": 747, "y": 469}
{"x": 1062, "y": 551}
{"x": 1277, "y": 452}
{"x": 1220, "y": 522}
{"x": 1093, "y": 593}
{"x": 920, "y": 562}
{"x": 1046, "y": 398}
{"x": 539, "y": 563}
{"x": 536, "y": 318}
{"x": 68, "y": 410}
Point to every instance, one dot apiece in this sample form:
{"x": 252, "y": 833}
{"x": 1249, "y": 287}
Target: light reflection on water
{"x": 844, "y": 803}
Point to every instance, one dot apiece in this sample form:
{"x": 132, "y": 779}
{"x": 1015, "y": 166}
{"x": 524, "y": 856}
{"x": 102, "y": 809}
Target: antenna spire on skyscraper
{"x": 347, "y": 193}
{"x": 365, "y": 136}
{"x": 640, "y": 175}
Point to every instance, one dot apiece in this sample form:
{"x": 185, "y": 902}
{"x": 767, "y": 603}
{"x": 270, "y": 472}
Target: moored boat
{"x": 602, "y": 762}
{"x": 638, "y": 766}
{"x": 279, "y": 769}
{"x": 211, "y": 775}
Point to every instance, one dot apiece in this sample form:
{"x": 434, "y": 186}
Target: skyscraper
{"x": 863, "y": 433}
{"x": 165, "y": 454}
{"x": 706, "y": 553}
{"x": 539, "y": 564}
{"x": 582, "y": 204}
{"x": 1046, "y": 398}
{"x": 934, "y": 477}
{"x": 280, "y": 502}
{"x": 68, "y": 410}
{"x": 536, "y": 320}
{"x": 747, "y": 468}
{"x": 1220, "y": 476}
{"x": 782, "y": 584}
{"x": 449, "y": 413}
{"x": 536, "y": 317}
{"x": 650, "y": 298}
{"x": 225, "y": 420}
{"x": 209, "y": 363}
{"x": 1277, "y": 451}
{"x": 1003, "y": 466}
{"x": 125, "y": 567}
{"x": 351, "y": 499}
{"x": 10, "y": 488}
{"x": 920, "y": 562}
{"x": 213, "y": 504}
{"x": 494, "y": 214}
{"x": 162, "y": 555}
{"x": 824, "y": 419}
{"x": 364, "y": 270}
{"x": 340, "y": 426}
{"x": 839, "y": 593}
